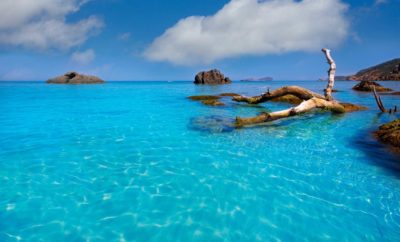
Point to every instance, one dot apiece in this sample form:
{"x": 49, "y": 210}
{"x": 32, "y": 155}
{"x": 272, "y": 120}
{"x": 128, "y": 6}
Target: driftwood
{"x": 380, "y": 104}
{"x": 299, "y": 92}
{"x": 310, "y": 99}
{"x": 304, "y": 107}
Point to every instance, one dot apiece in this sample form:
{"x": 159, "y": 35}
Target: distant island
{"x": 75, "y": 78}
{"x": 253, "y": 79}
{"x": 387, "y": 71}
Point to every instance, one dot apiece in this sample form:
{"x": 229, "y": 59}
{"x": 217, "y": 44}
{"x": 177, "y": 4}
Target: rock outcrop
{"x": 212, "y": 77}
{"x": 388, "y": 71}
{"x": 75, "y": 78}
{"x": 368, "y": 86}
{"x": 390, "y": 134}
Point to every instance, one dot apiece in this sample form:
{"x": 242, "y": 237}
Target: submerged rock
{"x": 75, "y": 78}
{"x": 213, "y": 77}
{"x": 368, "y": 86}
{"x": 390, "y": 134}
{"x": 212, "y": 124}
{"x": 212, "y": 103}
{"x": 208, "y": 100}
{"x": 228, "y": 94}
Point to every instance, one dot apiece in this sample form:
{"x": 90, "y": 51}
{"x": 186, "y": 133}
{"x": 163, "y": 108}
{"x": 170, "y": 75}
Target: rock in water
{"x": 208, "y": 100}
{"x": 368, "y": 86}
{"x": 75, "y": 78}
{"x": 213, "y": 77}
{"x": 390, "y": 133}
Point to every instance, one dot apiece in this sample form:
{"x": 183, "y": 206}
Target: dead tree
{"x": 380, "y": 104}
{"x": 310, "y": 99}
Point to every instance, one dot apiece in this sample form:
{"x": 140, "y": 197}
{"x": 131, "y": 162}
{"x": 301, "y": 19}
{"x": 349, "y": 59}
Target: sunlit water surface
{"x": 138, "y": 161}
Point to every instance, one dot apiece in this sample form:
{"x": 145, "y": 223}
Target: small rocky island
{"x": 368, "y": 86}
{"x": 388, "y": 71}
{"x": 212, "y": 77}
{"x": 75, "y": 78}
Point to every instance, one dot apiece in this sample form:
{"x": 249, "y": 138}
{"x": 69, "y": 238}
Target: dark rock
{"x": 229, "y": 94}
{"x": 368, "y": 86}
{"x": 75, "y": 78}
{"x": 388, "y": 71}
{"x": 390, "y": 134}
{"x": 213, "y": 77}
{"x": 204, "y": 97}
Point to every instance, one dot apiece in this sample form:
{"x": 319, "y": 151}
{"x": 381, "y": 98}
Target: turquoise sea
{"x": 138, "y": 161}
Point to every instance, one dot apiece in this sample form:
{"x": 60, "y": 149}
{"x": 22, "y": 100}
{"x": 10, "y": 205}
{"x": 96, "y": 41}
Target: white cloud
{"x": 84, "y": 57}
{"x": 251, "y": 27}
{"x": 42, "y": 24}
{"x": 124, "y": 36}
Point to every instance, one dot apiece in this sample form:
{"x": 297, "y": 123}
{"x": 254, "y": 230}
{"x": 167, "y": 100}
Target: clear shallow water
{"x": 134, "y": 162}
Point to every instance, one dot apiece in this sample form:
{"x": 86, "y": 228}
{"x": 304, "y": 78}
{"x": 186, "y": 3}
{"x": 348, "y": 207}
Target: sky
{"x": 175, "y": 39}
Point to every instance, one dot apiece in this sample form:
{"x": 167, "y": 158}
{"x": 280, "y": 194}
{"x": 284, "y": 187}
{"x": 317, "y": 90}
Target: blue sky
{"x": 174, "y": 39}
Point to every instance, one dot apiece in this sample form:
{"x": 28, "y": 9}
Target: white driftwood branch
{"x": 310, "y": 99}
{"x": 331, "y": 74}
{"x": 304, "y": 107}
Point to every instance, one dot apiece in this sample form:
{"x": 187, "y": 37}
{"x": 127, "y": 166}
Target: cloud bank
{"x": 42, "y": 24}
{"x": 84, "y": 57}
{"x": 252, "y": 27}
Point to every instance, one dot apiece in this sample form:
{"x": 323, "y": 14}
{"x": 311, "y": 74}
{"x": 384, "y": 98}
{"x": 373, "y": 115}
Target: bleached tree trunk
{"x": 299, "y": 92}
{"x": 304, "y": 107}
{"x": 331, "y": 74}
{"x": 310, "y": 99}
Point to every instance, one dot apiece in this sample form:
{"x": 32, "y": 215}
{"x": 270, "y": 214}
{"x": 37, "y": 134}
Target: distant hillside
{"x": 252, "y": 79}
{"x": 383, "y": 72}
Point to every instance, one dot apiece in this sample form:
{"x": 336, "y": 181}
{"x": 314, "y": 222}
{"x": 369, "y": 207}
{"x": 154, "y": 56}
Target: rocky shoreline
{"x": 387, "y": 71}
{"x": 390, "y": 134}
